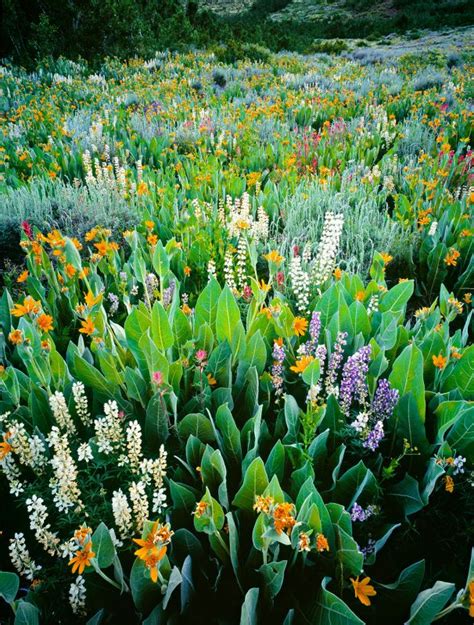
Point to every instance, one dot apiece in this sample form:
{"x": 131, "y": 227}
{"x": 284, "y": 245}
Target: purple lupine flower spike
{"x": 354, "y": 382}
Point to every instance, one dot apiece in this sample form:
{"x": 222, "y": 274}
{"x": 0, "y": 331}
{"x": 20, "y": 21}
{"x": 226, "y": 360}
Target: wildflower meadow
{"x": 236, "y": 360}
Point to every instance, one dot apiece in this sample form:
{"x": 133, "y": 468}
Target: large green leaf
{"x": 103, "y": 546}
{"x": 255, "y": 482}
{"x": 228, "y": 316}
{"x": 329, "y": 609}
{"x": 429, "y": 603}
{"x": 407, "y": 376}
{"x": 248, "y": 615}
{"x": 206, "y": 305}
{"x": 161, "y": 331}
{"x": 9, "y": 585}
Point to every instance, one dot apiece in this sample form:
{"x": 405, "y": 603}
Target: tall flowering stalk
{"x": 277, "y": 367}
{"x": 354, "y": 379}
{"x": 328, "y": 247}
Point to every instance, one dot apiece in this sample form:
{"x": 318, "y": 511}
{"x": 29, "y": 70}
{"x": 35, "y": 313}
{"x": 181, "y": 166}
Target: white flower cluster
{"x": 80, "y": 403}
{"x": 105, "y": 174}
{"x": 63, "y": 484}
{"x": 229, "y": 275}
{"x": 61, "y": 412}
{"x": 328, "y": 247}
{"x": 30, "y": 450}
{"x": 134, "y": 445}
{"x": 360, "y": 422}
{"x": 77, "y": 596}
{"x": 139, "y": 501}
{"x": 300, "y": 282}
{"x": 108, "y": 429}
{"x": 122, "y": 513}
{"x": 240, "y": 220}
{"x": 40, "y": 526}
{"x": 20, "y": 557}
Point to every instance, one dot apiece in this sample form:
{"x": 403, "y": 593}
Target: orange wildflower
{"x": 273, "y": 257}
{"x": 439, "y": 361}
{"x": 322, "y": 543}
{"x": 451, "y": 257}
{"x": 283, "y": 517}
{"x": 187, "y": 271}
{"x": 91, "y": 299}
{"x": 87, "y": 327}
{"x": 304, "y": 542}
{"x": 363, "y": 590}
{"x": 201, "y": 509}
{"x": 45, "y": 322}
{"x": 16, "y": 337}
{"x": 448, "y": 484}
{"x": 29, "y": 306}
{"x": 82, "y": 559}
{"x": 5, "y": 447}
{"x": 337, "y": 273}
{"x": 23, "y": 276}
{"x": 300, "y": 325}
{"x": 301, "y": 364}
{"x": 263, "y": 504}
{"x": 387, "y": 258}
{"x": 211, "y": 380}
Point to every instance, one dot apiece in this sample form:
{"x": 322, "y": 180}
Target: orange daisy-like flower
{"x": 337, "y": 273}
{"x": 16, "y": 337}
{"x": 448, "y": 484}
{"x": 304, "y": 542}
{"x": 283, "y": 517}
{"x": 45, "y": 322}
{"x": 263, "y": 504}
{"x": 23, "y": 276}
{"x": 87, "y": 327}
{"x": 29, "y": 306}
{"x": 387, "y": 258}
{"x": 322, "y": 543}
{"x": 82, "y": 533}
{"x": 201, "y": 509}
{"x": 5, "y": 447}
{"x": 451, "y": 257}
{"x": 439, "y": 361}
{"x": 301, "y": 364}
{"x": 363, "y": 590}
{"x": 274, "y": 257}
{"x": 152, "y": 560}
{"x": 187, "y": 271}
{"x": 82, "y": 559}
{"x": 91, "y": 299}
{"x": 300, "y": 325}
{"x": 211, "y": 380}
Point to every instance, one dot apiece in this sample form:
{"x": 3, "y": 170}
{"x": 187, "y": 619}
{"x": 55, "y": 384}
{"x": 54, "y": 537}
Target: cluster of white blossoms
{"x": 108, "y": 429}
{"x": 61, "y": 412}
{"x": 30, "y": 450}
{"x": 38, "y": 514}
{"x": 20, "y": 557}
{"x": 63, "y": 484}
{"x": 122, "y": 514}
{"x": 238, "y": 219}
{"x": 106, "y": 173}
{"x": 77, "y": 596}
{"x": 80, "y": 403}
{"x": 300, "y": 284}
{"x": 142, "y": 489}
{"x": 328, "y": 247}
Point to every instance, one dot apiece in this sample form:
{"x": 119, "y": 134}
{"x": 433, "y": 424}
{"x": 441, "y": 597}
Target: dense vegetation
{"x": 125, "y": 28}
{"x": 236, "y": 368}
